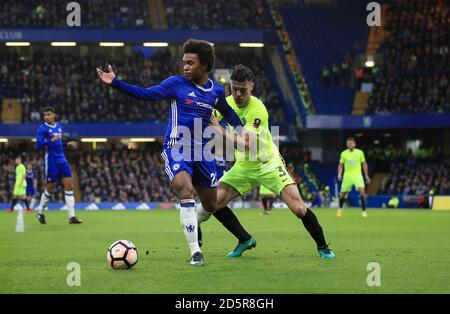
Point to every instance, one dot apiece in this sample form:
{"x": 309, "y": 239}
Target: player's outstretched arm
{"x": 162, "y": 91}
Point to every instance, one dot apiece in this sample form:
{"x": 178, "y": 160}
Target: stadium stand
{"x": 415, "y": 71}
{"x": 63, "y": 79}
{"x": 114, "y": 173}
{"x": 124, "y": 175}
{"x": 101, "y": 14}
{"x": 211, "y": 14}
{"x": 319, "y": 33}
{"x": 417, "y": 177}
{"x": 412, "y": 76}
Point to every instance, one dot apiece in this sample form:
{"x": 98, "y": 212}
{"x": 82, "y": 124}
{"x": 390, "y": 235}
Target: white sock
{"x": 45, "y": 198}
{"x": 202, "y": 215}
{"x": 70, "y": 202}
{"x": 33, "y": 201}
{"x": 189, "y": 224}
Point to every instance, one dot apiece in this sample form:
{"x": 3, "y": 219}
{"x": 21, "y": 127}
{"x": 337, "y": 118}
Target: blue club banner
{"x": 84, "y": 35}
{"x": 107, "y": 129}
{"x": 100, "y": 129}
{"x": 378, "y": 121}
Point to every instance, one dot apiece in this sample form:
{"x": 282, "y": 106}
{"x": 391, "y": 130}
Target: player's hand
{"x": 56, "y": 138}
{"x": 251, "y": 141}
{"x": 72, "y": 144}
{"x": 340, "y": 177}
{"x": 106, "y": 77}
{"x": 214, "y": 121}
{"x": 368, "y": 180}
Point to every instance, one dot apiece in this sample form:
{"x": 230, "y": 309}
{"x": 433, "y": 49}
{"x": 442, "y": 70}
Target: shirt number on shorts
{"x": 213, "y": 179}
{"x": 283, "y": 173}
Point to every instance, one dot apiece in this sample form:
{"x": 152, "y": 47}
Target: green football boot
{"x": 242, "y": 247}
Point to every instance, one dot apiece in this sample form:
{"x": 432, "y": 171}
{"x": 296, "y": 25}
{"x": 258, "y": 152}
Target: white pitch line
{"x": 20, "y": 226}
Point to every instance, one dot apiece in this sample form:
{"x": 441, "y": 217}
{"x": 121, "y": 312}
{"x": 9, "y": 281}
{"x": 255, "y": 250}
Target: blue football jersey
{"x": 190, "y": 105}
{"x": 30, "y": 176}
{"x": 54, "y": 151}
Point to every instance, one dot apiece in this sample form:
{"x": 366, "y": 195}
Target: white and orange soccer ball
{"x": 122, "y": 254}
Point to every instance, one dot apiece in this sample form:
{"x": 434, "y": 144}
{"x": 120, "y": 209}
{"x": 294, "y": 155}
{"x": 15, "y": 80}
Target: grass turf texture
{"x": 410, "y": 245}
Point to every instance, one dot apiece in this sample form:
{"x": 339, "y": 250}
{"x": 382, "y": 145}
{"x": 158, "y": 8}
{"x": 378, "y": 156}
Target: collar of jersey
{"x": 50, "y": 125}
{"x": 206, "y": 89}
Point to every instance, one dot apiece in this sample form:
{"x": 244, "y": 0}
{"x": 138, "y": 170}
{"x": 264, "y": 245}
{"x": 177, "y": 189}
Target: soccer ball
{"x": 122, "y": 254}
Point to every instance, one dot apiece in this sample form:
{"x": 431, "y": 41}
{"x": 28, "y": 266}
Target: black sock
{"x": 271, "y": 199}
{"x": 315, "y": 230}
{"x": 264, "y": 202}
{"x": 199, "y": 235}
{"x": 341, "y": 202}
{"x": 230, "y": 221}
{"x": 14, "y": 202}
{"x": 27, "y": 205}
{"x": 363, "y": 202}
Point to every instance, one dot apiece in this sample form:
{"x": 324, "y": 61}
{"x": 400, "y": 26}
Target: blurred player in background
{"x": 20, "y": 185}
{"x": 31, "y": 184}
{"x": 56, "y": 166}
{"x": 350, "y": 163}
{"x": 268, "y": 169}
{"x": 194, "y": 96}
{"x": 267, "y": 198}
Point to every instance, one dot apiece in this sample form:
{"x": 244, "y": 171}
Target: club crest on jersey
{"x": 59, "y": 130}
{"x": 256, "y": 123}
{"x": 176, "y": 166}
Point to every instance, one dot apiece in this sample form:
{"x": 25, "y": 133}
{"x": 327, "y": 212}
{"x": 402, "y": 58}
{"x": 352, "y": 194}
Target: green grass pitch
{"x": 411, "y": 246}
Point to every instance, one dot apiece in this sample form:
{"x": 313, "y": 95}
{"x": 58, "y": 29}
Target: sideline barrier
{"x": 441, "y": 203}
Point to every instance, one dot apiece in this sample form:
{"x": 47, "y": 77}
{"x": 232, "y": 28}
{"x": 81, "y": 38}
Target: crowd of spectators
{"x": 94, "y": 14}
{"x": 415, "y": 94}
{"x": 103, "y": 14}
{"x": 70, "y": 84}
{"x": 415, "y": 70}
{"x": 124, "y": 175}
{"x": 111, "y": 174}
{"x": 417, "y": 178}
{"x": 211, "y": 14}
{"x": 134, "y": 175}
{"x": 394, "y": 153}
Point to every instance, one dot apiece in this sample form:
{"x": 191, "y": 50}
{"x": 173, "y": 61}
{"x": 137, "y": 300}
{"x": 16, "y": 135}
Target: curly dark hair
{"x": 204, "y": 50}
